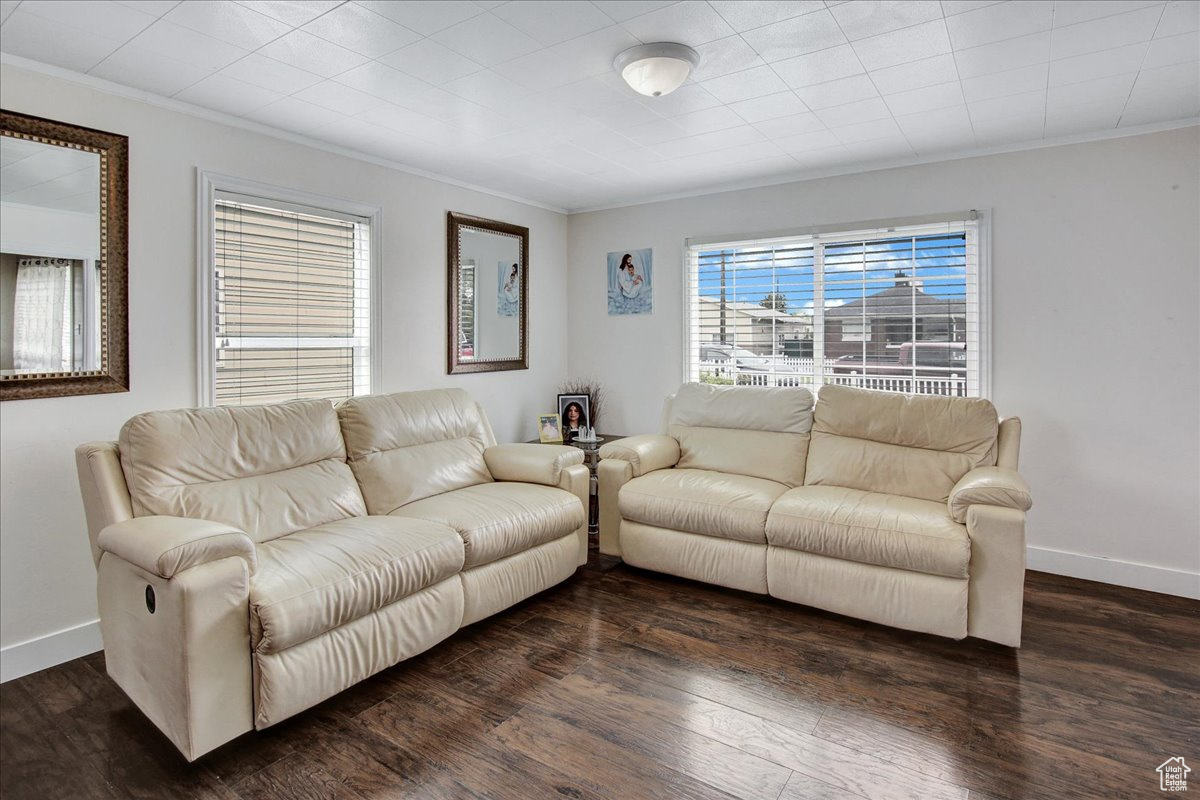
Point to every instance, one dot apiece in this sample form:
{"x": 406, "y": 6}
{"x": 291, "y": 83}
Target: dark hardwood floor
{"x": 627, "y": 684}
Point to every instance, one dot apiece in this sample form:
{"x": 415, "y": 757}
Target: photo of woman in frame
{"x": 575, "y": 412}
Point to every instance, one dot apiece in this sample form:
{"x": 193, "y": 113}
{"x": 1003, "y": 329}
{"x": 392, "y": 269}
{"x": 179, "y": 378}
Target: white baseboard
{"x": 50, "y": 650}
{"x": 1120, "y": 573}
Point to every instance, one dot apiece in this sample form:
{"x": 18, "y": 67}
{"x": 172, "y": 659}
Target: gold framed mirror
{"x": 487, "y": 286}
{"x": 64, "y": 211}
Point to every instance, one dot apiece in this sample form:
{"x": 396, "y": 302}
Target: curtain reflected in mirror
{"x": 63, "y": 210}
{"x": 487, "y": 294}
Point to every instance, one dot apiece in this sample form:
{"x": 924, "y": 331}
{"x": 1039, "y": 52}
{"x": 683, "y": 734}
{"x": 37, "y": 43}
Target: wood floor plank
{"x": 623, "y": 684}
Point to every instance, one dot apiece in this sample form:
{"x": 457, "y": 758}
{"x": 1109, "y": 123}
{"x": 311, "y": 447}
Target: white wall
{"x": 47, "y": 581}
{"x": 1095, "y": 265}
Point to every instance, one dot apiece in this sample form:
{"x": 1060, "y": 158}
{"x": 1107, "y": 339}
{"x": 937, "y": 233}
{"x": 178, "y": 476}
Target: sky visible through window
{"x": 852, "y": 270}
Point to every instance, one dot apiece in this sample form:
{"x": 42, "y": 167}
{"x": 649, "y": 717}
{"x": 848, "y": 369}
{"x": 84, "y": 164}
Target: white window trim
{"x": 872, "y": 229}
{"x": 208, "y": 185}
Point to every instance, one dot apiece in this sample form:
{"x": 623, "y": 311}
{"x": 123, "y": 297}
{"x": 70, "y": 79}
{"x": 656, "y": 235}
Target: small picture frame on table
{"x": 576, "y": 414}
{"x": 550, "y": 429}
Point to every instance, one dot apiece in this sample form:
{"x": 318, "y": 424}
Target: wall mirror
{"x": 486, "y": 291}
{"x": 63, "y": 267}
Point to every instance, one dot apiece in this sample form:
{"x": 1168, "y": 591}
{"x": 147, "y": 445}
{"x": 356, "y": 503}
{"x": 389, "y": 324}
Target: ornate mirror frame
{"x": 113, "y": 150}
{"x": 455, "y": 224}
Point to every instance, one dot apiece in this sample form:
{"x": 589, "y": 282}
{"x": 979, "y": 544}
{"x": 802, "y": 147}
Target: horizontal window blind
{"x": 291, "y": 303}
{"x": 895, "y": 309}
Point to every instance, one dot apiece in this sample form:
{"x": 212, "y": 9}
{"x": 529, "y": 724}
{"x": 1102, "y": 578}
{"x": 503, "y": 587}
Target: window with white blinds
{"x": 289, "y": 302}
{"x": 894, "y": 309}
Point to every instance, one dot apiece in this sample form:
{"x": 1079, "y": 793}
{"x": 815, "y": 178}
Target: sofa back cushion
{"x": 412, "y": 445}
{"x": 898, "y": 444}
{"x": 268, "y": 470}
{"x": 745, "y": 430}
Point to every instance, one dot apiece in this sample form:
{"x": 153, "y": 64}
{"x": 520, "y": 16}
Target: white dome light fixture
{"x": 656, "y": 69}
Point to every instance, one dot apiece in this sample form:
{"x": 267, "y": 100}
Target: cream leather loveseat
{"x": 254, "y": 561}
{"x": 906, "y": 511}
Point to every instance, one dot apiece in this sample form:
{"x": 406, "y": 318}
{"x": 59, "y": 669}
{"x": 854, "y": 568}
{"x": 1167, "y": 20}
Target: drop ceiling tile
{"x": 952, "y": 7}
{"x": 7, "y": 7}
{"x": 1022, "y": 51}
{"x": 711, "y": 119}
{"x": 946, "y": 125}
{"x": 656, "y": 132}
{"x": 552, "y": 21}
{"x": 431, "y": 62}
{"x": 99, "y": 17}
{"x": 1173, "y": 50}
{"x": 995, "y": 23}
{"x": 889, "y": 148}
{"x": 361, "y": 30}
{"x": 796, "y": 36}
{"x": 384, "y": 82}
{"x": 684, "y": 100}
{"x": 691, "y": 22}
{"x": 353, "y": 133}
{"x": 1027, "y": 104}
{"x": 915, "y": 74}
{"x": 1070, "y": 12}
{"x": 727, "y": 156}
{"x": 794, "y": 125}
{"x": 589, "y": 55}
{"x": 270, "y": 74}
{"x": 222, "y": 93}
{"x": 839, "y": 92}
{"x": 854, "y": 113}
{"x": 228, "y": 22}
{"x": 486, "y": 39}
{"x": 705, "y": 142}
{"x": 1180, "y": 16}
{"x": 822, "y": 159}
{"x": 1104, "y": 33}
{"x": 291, "y": 12}
{"x": 624, "y": 111}
{"x": 339, "y": 97}
{"x": 1111, "y": 92}
{"x": 39, "y": 39}
{"x": 806, "y": 142}
{"x": 865, "y": 18}
{"x": 819, "y": 67}
{"x": 312, "y": 54}
{"x": 184, "y": 44}
{"x": 999, "y": 84}
{"x": 426, "y": 17}
{"x": 724, "y": 56}
{"x": 744, "y": 15}
{"x": 290, "y": 114}
{"x": 1009, "y": 130}
{"x": 1178, "y": 84}
{"x": 407, "y": 122}
{"x": 487, "y": 89}
{"x": 886, "y": 128}
{"x": 1098, "y": 65}
{"x": 771, "y": 106}
{"x": 907, "y": 44}
{"x": 621, "y": 10}
{"x": 151, "y": 71}
{"x": 927, "y": 98}
{"x": 745, "y": 85}
{"x": 1080, "y": 119}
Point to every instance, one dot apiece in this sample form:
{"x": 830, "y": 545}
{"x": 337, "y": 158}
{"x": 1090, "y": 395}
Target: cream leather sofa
{"x": 255, "y": 561}
{"x": 907, "y": 511}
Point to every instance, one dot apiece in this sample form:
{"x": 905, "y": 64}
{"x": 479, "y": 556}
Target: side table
{"x": 591, "y": 457}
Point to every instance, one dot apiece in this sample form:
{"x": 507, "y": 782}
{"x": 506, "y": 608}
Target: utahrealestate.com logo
{"x": 1172, "y": 775}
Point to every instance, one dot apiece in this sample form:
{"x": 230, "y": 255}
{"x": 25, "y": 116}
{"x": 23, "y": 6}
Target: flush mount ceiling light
{"x": 656, "y": 69}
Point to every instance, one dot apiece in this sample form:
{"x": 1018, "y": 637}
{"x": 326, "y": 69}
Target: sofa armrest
{"x": 989, "y": 486}
{"x": 166, "y": 546}
{"x": 531, "y": 463}
{"x": 644, "y": 453}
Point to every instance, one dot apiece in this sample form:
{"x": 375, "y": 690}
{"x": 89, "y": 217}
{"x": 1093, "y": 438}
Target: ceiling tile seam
{"x": 892, "y": 114}
{"x": 958, "y": 75}
{"x": 1141, "y": 66}
{"x": 1046, "y": 86}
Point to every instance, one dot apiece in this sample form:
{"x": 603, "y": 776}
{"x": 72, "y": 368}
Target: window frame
{"x": 211, "y": 185}
{"x": 863, "y": 231}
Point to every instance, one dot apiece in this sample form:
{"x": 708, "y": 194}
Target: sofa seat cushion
{"x": 499, "y": 519}
{"x": 701, "y": 501}
{"x": 871, "y": 528}
{"x": 315, "y": 580}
